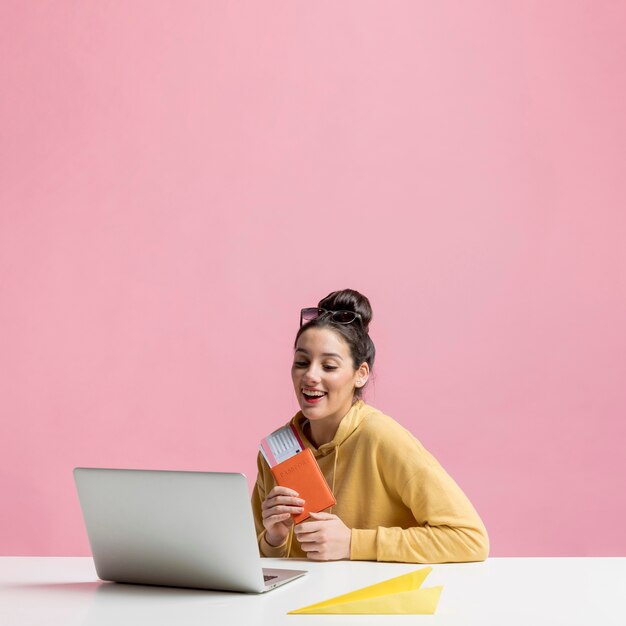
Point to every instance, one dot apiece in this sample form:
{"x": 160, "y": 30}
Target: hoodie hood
{"x": 349, "y": 423}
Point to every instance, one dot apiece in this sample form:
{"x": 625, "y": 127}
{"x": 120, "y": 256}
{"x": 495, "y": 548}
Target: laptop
{"x": 172, "y": 528}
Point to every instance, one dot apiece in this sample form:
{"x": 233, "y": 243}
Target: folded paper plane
{"x": 401, "y": 595}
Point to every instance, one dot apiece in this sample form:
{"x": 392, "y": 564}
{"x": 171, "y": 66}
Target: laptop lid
{"x": 184, "y": 529}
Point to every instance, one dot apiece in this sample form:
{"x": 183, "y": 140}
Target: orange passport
{"x": 302, "y": 473}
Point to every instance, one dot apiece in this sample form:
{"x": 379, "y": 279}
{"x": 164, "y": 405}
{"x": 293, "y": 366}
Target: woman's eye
{"x": 330, "y": 367}
{"x": 300, "y": 363}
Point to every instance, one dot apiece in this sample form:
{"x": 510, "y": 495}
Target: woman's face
{"x": 322, "y": 363}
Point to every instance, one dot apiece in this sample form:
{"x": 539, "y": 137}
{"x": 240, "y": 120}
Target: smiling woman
{"x": 395, "y": 502}
{"x": 324, "y": 381}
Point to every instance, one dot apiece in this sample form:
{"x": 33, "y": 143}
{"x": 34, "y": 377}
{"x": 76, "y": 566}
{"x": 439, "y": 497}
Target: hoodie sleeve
{"x": 263, "y": 486}
{"x": 448, "y": 528}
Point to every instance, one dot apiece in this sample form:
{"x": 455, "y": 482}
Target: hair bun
{"x": 349, "y": 300}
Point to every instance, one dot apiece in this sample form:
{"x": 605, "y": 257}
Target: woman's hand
{"x": 326, "y": 538}
{"x": 277, "y": 510}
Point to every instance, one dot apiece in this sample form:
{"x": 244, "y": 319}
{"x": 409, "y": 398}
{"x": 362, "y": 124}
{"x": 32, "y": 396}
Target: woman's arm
{"x": 448, "y": 527}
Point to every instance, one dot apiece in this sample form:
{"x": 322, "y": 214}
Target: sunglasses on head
{"x": 341, "y": 317}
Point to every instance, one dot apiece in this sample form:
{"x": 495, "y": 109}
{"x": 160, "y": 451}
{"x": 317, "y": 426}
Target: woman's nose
{"x": 311, "y": 374}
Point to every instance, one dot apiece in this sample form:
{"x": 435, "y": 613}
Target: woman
{"x": 394, "y": 500}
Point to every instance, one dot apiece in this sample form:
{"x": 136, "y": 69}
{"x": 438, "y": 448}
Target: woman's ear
{"x": 362, "y": 375}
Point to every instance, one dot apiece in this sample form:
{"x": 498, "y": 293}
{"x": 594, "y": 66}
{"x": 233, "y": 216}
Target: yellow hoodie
{"x": 398, "y": 500}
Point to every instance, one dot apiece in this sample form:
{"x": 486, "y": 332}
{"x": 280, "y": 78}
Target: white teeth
{"x": 313, "y": 394}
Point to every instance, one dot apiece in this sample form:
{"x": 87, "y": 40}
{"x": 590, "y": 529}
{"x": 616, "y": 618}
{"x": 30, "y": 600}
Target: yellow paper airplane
{"x": 401, "y": 595}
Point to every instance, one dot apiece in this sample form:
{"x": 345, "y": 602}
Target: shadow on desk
{"x": 101, "y": 603}
{"x": 122, "y": 590}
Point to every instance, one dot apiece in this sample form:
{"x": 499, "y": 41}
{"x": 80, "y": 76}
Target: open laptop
{"x": 178, "y": 529}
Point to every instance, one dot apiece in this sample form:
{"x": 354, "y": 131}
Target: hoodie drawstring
{"x": 290, "y": 540}
{"x": 334, "y": 474}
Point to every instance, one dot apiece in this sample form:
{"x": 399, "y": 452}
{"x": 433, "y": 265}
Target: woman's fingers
{"x": 282, "y": 501}
{"x": 275, "y": 499}
{"x": 325, "y": 538}
{"x": 279, "y": 506}
{"x": 276, "y": 519}
{"x": 281, "y": 510}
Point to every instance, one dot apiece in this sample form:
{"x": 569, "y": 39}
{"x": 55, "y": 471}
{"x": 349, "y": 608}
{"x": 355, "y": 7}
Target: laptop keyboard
{"x": 267, "y": 577}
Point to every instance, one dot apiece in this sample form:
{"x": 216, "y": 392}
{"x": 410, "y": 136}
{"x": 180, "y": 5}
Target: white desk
{"x": 504, "y": 591}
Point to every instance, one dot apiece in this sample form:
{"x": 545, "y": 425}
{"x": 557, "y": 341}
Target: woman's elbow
{"x": 478, "y": 545}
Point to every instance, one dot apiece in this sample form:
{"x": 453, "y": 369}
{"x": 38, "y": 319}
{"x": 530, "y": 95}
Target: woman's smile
{"x": 312, "y": 395}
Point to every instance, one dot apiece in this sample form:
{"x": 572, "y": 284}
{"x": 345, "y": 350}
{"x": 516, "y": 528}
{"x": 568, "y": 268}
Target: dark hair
{"x": 355, "y": 334}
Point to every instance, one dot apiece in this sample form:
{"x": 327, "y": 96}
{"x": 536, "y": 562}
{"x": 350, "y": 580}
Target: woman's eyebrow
{"x": 323, "y": 353}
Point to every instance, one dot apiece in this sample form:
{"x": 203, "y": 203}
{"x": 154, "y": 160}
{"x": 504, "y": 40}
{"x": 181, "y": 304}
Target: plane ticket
{"x": 281, "y": 445}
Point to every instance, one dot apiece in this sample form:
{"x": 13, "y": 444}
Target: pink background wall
{"x": 179, "y": 178}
